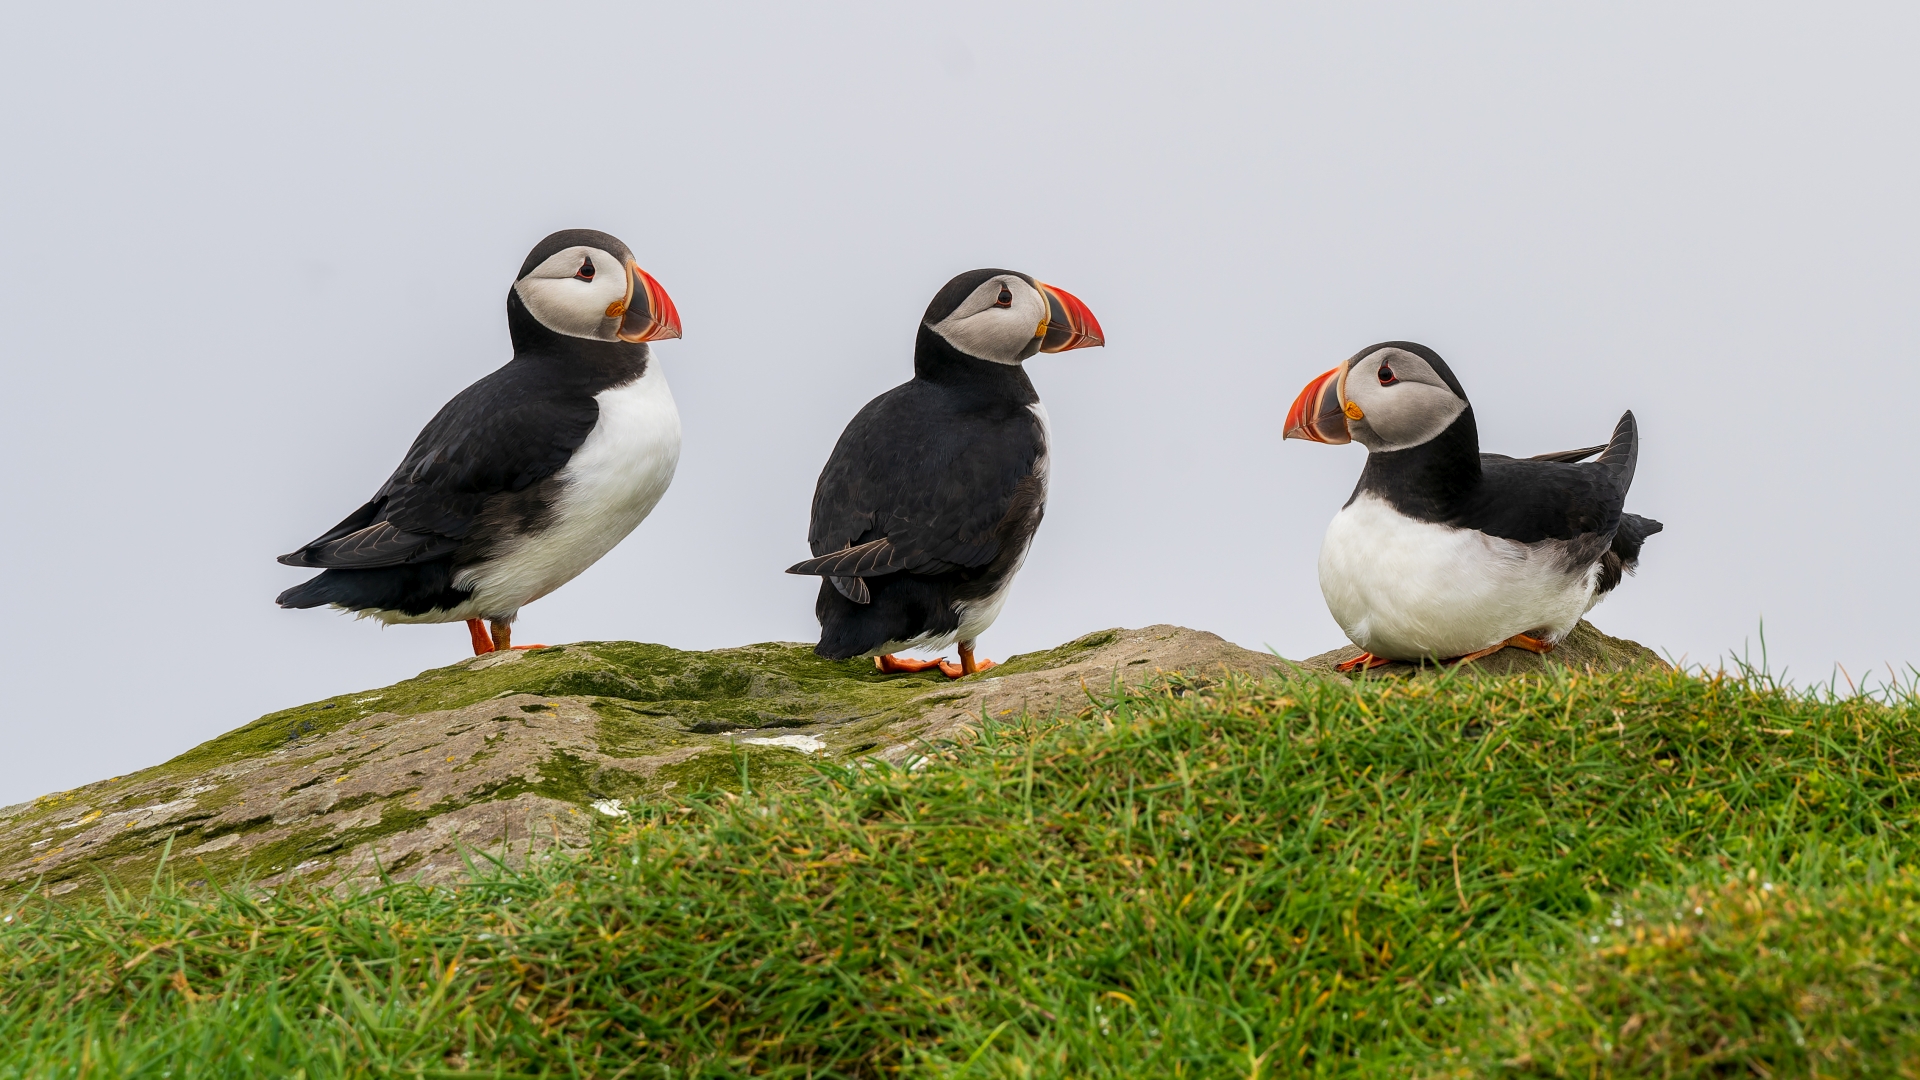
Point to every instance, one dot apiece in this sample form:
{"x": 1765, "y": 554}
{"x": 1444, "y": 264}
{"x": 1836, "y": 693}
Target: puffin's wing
{"x": 1570, "y": 457}
{"x": 375, "y": 545}
{"x": 901, "y": 492}
{"x": 1535, "y": 499}
{"x": 498, "y": 436}
{"x": 871, "y": 559}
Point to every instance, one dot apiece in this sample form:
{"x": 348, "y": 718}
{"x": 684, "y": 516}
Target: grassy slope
{"x": 1455, "y": 878}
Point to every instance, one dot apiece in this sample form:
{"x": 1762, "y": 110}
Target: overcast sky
{"x": 249, "y": 251}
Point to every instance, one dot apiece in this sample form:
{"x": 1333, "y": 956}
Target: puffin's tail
{"x": 416, "y": 589}
{"x": 1623, "y": 555}
{"x": 1633, "y": 532}
{"x": 1623, "y": 451}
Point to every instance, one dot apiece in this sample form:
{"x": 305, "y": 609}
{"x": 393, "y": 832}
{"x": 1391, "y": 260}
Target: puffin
{"x": 530, "y": 475}
{"x": 926, "y": 508}
{"x": 1444, "y": 553}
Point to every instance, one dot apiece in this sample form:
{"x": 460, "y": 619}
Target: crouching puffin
{"x": 924, "y": 511}
{"x": 528, "y": 476}
{"x": 1446, "y": 553}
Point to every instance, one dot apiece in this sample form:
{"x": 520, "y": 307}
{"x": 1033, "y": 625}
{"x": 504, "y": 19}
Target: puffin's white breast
{"x": 1408, "y": 589}
{"x": 606, "y": 489}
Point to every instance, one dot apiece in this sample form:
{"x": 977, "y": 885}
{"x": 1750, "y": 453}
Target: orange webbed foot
{"x": 895, "y": 665}
{"x": 1531, "y": 643}
{"x": 967, "y": 665}
{"x": 1362, "y": 662}
{"x": 1519, "y": 641}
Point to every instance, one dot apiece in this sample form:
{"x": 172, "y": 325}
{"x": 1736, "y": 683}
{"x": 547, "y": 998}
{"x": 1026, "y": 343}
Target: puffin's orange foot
{"x": 1531, "y": 643}
{"x": 1362, "y": 662}
{"x": 967, "y": 665}
{"x": 482, "y": 643}
{"x": 1518, "y": 641}
{"x": 959, "y": 671}
{"x": 529, "y": 647}
{"x": 894, "y": 665}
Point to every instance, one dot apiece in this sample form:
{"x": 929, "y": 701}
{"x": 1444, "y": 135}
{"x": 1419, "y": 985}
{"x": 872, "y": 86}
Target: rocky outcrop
{"x": 511, "y": 754}
{"x": 507, "y": 755}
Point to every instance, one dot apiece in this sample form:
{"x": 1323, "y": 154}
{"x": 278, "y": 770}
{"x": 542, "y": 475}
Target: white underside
{"x": 1409, "y": 590}
{"x": 978, "y": 615}
{"x": 606, "y": 489}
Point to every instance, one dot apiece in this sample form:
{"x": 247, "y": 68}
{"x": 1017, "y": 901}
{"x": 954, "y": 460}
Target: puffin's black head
{"x": 1005, "y": 317}
{"x": 584, "y": 284}
{"x": 1389, "y": 396}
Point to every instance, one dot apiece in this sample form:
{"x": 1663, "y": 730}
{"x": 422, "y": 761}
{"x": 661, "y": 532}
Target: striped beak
{"x": 1320, "y": 412}
{"x": 647, "y": 314}
{"x": 1069, "y": 323}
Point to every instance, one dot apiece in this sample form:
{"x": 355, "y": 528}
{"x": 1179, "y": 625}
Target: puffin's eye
{"x": 1006, "y": 298}
{"x": 585, "y": 273}
{"x": 1387, "y": 377}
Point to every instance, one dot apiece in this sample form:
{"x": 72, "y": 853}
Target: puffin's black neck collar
{"x": 935, "y": 360}
{"x": 1432, "y": 481}
{"x": 611, "y": 362}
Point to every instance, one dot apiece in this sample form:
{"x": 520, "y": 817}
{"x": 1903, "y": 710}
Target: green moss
{"x": 652, "y": 703}
{"x": 737, "y": 769}
{"x": 1063, "y": 654}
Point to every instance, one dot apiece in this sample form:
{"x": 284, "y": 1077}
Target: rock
{"x": 1585, "y": 649}
{"x": 505, "y": 755}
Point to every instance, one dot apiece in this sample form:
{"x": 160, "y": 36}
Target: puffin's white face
{"x": 1388, "y": 398}
{"x": 1003, "y": 320}
{"x": 580, "y": 292}
{"x": 1395, "y": 400}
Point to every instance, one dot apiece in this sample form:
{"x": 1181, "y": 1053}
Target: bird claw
{"x": 1362, "y": 662}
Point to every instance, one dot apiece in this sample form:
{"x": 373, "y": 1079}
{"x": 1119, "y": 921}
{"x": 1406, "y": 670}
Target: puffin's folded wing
{"x": 902, "y": 494}
{"x": 376, "y": 545}
{"x": 499, "y": 436}
{"x": 875, "y": 558}
{"x": 1569, "y": 457}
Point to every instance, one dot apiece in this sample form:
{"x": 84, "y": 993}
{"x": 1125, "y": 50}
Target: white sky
{"x": 248, "y": 251}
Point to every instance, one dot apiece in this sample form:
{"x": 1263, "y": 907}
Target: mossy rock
{"x": 1585, "y": 649}
{"x": 505, "y": 755}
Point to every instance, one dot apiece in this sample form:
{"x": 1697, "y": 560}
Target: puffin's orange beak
{"x": 1069, "y": 323}
{"x": 648, "y": 313}
{"x": 1318, "y": 413}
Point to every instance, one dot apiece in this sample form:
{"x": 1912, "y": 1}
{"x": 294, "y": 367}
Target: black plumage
{"x": 480, "y": 474}
{"x": 930, "y": 498}
{"x": 1550, "y": 497}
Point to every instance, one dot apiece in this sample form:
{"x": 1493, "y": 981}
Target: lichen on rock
{"x": 504, "y": 755}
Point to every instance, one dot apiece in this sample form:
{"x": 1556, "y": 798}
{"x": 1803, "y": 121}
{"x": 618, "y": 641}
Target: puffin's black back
{"x": 475, "y": 472}
{"x": 942, "y": 468}
{"x": 1447, "y": 480}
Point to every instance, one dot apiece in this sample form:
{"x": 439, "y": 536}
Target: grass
{"x": 1448, "y": 878}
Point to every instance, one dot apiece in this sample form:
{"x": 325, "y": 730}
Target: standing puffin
{"x": 1444, "y": 552}
{"x": 528, "y": 476}
{"x": 925, "y": 510}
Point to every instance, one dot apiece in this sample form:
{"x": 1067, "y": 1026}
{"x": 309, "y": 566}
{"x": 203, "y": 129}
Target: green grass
{"x": 1448, "y": 878}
